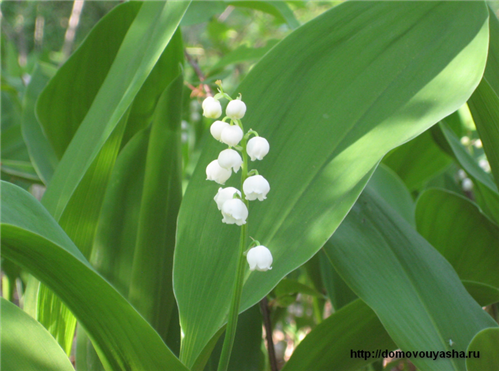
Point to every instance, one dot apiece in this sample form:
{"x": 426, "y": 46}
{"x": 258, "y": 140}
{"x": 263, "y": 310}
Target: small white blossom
{"x": 256, "y": 186}
{"x": 259, "y": 258}
{"x": 236, "y": 109}
{"x": 257, "y": 148}
{"x": 234, "y": 211}
{"x": 461, "y": 174}
{"x": 229, "y": 158}
{"x": 465, "y": 141}
{"x": 211, "y": 108}
{"x": 217, "y": 173}
{"x": 467, "y": 185}
{"x": 216, "y": 129}
{"x": 232, "y": 135}
{"x": 225, "y": 194}
{"x": 484, "y": 164}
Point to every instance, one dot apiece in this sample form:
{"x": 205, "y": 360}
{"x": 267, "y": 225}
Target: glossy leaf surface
{"x": 406, "y": 282}
{"x": 358, "y": 99}
{"x": 27, "y": 345}
{"x": 34, "y": 240}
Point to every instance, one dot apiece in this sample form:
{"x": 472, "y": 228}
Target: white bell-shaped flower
{"x": 216, "y": 129}
{"x": 217, "y": 173}
{"x": 211, "y": 108}
{"x": 256, "y": 186}
{"x": 232, "y": 135}
{"x": 225, "y": 194}
{"x": 234, "y": 211}
{"x": 259, "y": 258}
{"x": 236, "y": 109}
{"x": 230, "y": 159}
{"x": 257, "y": 148}
{"x": 467, "y": 185}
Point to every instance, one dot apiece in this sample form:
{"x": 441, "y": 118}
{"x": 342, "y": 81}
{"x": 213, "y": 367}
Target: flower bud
{"x": 259, "y": 258}
{"x": 236, "y": 109}
{"x": 229, "y": 158}
{"x": 216, "y": 129}
{"x": 234, "y": 211}
{"x": 257, "y": 148}
{"x": 211, "y": 108}
{"x": 232, "y": 135}
{"x": 217, "y": 173}
{"x": 256, "y": 186}
{"x": 225, "y": 194}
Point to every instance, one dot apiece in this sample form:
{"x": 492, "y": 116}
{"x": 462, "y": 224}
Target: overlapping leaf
{"x": 406, "y": 282}
{"x": 332, "y": 99}
{"x": 27, "y": 345}
{"x": 34, "y": 240}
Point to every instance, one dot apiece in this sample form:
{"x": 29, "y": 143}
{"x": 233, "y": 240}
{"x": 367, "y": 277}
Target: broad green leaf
{"x": 151, "y": 289}
{"x": 337, "y": 290}
{"x": 66, "y": 100}
{"x": 26, "y": 345}
{"x": 28, "y": 233}
{"x": 247, "y": 353}
{"x": 355, "y": 327}
{"x": 79, "y": 221}
{"x": 13, "y": 147}
{"x": 293, "y": 287}
{"x": 461, "y": 233}
{"x": 115, "y": 235}
{"x": 418, "y": 161}
{"x": 142, "y": 46}
{"x": 114, "y": 244}
{"x": 41, "y": 153}
{"x": 328, "y": 125}
{"x": 482, "y": 293}
{"x": 330, "y": 345}
{"x": 393, "y": 190}
{"x": 279, "y": 9}
{"x": 202, "y": 11}
{"x": 243, "y": 54}
{"x": 492, "y": 72}
{"x": 484, "y": 106}
{"x": 74, "y": 195}
{"x": 485, "y": 189}
{"x": 484, "y": 347}
{"x": 406, "y": 282}
{"x": 20, "y": 169}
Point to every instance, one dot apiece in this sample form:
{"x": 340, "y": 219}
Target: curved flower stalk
{"x": 234, "y": 207}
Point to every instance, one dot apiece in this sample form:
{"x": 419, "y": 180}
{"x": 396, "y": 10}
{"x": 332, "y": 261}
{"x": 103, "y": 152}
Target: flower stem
{"x": 230, "y": 331}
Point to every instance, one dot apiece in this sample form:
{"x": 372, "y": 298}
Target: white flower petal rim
{"x": 234, "y": 211}
{"x": 225, "y": 194}
{"x": 216, "y": 129}
{"x": 230, "y": 159}
{"x": 257, "y": 148}
{"x": 259, "y": 258}
{"x": 256, "y": 187}
{"x": 217, "y": 173}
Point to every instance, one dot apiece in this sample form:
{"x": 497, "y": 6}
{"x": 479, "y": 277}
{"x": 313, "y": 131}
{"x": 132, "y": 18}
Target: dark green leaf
{"x": 26, "y": 345}
{"x": 406, "y": 282}
{"x": 485, "y": 356}
{"x": 328, "y": 125}
{"x": 34, "y": 240}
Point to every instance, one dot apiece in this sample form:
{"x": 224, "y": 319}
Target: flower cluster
{"x": 229, "y": 200}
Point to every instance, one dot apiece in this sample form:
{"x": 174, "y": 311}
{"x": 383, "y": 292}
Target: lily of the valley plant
{"x": 230, "y": 201}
